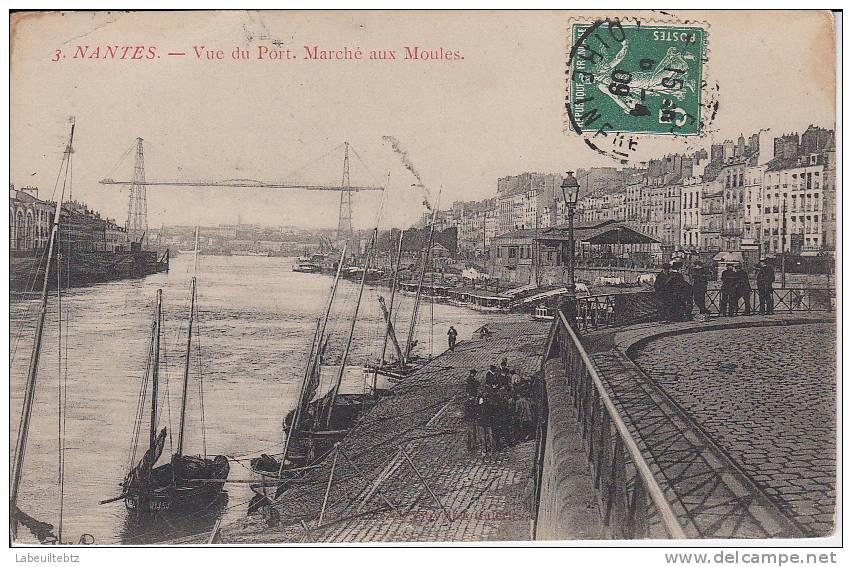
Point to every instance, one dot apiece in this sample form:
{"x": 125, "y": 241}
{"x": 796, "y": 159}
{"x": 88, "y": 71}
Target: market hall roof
{"x": 605, "y": 232}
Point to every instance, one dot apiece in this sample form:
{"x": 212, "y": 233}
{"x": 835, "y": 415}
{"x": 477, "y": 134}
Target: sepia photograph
{"x": 428, "y": 277}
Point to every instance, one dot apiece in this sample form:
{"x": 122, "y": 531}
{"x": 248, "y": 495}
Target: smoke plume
{"x": 403, "y": 156}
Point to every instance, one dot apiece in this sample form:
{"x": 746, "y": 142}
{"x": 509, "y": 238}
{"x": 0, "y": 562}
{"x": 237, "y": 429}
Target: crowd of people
{"x": 500, "y": 410}
{"x": 681, "y": 289}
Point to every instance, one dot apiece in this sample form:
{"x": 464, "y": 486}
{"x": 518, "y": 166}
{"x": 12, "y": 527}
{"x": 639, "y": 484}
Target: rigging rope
{"x": 140, "y": 405}
{"x": 200, "y": 371}
{"x": 168, "y": 395}
{"x": 37, "y": 267}
{"x": 60, "y": 408}
{"x": 164, "y": 371}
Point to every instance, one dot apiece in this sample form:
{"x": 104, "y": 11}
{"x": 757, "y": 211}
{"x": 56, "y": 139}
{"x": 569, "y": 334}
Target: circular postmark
{"x": 628, "y": 81}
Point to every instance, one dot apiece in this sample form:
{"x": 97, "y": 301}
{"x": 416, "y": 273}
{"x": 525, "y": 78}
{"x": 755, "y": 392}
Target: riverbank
{"x": 26, "y": 271}
{"x": 404, "y": 473}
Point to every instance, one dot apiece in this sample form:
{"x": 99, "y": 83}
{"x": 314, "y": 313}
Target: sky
{"x": 463, "y": 123}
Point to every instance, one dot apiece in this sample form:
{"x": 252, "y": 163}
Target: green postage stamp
{"x": 636, "y": 78}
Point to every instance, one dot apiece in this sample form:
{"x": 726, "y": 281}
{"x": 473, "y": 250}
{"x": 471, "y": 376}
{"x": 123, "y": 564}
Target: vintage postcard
{"x": 324, "y": 277}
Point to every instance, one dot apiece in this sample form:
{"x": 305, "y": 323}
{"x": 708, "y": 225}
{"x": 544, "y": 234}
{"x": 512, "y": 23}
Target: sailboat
{"x": 185, "y": 483}
{"x": 43, "y": 531}
{"x": 387, "y": 373}
{"x": 318, "y": 421}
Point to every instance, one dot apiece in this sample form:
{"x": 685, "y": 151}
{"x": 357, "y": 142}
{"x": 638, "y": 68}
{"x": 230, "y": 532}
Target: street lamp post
{"x": 570, "y": 193}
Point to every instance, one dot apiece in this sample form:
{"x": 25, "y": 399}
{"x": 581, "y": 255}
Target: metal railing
{"x": 617, "y": 309}
{"x": 628, "y": 494}
{"x": 784, "y": 300}
{"x": 621, "y": 309}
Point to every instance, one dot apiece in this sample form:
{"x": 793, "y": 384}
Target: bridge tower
{"x": 137, "y": 208}
{"x": 344, "y": 222}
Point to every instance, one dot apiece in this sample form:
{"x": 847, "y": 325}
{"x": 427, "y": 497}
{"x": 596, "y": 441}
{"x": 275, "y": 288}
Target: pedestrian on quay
{"x": 699, "y": 276}
{"x": 743, "y": 289}
{"x": 514, "y": 379}
{"x": 662, "y": 291}
{"x": 502, "y": 417}
{"x": 683, "y": 295}
{"x": 491, "y": 376}
{"x": 471, "y": 385}
{"x": 729, "y": 304}
{"x": 675, "y": 290}
{"x": 523, "y": 410}
{"x": 505, "y": 376}
{"x": 488, "y": 418}
{"x": 451, "y": 338}
{"x": 471, "y": 411}
{"x": 765, "y": 279}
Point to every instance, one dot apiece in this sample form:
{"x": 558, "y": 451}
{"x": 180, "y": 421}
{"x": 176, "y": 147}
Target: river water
{"x": 255, "y": 323}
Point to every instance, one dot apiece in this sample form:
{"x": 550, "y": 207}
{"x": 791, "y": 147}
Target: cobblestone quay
{"x": 766, "y": 396}
{"x": 404, "y": 473}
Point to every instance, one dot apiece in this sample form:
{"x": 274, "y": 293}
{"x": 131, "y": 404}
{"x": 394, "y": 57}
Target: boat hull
{"x": 164, "y": 491}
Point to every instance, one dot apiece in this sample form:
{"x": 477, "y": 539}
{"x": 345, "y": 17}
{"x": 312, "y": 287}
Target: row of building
{"x": 82, "y": 230}
{"x": 759, "y": 193}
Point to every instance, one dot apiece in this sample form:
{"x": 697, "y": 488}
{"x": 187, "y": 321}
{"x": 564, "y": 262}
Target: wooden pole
{"x": 300, "y": 400}
{"x": 351, "y": 329}
{"x": 409, "y": 340}
{"x": 390, "y": 307}
{"x": 155, "y": 372}
{"x": 186, "y": 365}
{"x": 214, "y": 535}
{"x": 328, "y": 486}
{"x": 423, "y": 480}
{"x": 389, "y": 332}
{"x": 358, "y": 470}
{"x": 316, "y": 346}
{"x": 32, "y": 375}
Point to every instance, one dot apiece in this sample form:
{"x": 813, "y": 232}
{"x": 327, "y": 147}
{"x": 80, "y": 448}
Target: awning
{"x": 729, "y": 256}
{"x": 609, "y": 232}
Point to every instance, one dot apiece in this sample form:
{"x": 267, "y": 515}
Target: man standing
{"x": 471, "y": 411}
{"x": 675, "y": 291}
{"x": 698, "y": 275}
{"x": 505, "y": 378}
{"x": 483, "y": 415}
{"x": 743, "y": 289}
{"x": 661, "y": 287}
{"x": 451, "y": 338}
{"x": 502, "y": 415}
{"x": 491, "y": 376}
{"x": 728, "y": 305}
{"x": 765, "y": 279}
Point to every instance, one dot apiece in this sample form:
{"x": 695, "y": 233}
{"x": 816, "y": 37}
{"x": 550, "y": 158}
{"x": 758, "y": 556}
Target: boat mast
{"x": 195, "y": 265}
{"x": 408, "y": 342}
{"x": 351, "y": 327}
{"x": 390, "y": 307}
{"x": 333, "y": 292}
{"x": 155, "y": 373}
{"x": 32, "y": 374}
{"x": 186, "y": 365}
{"x": 310, "y": 368}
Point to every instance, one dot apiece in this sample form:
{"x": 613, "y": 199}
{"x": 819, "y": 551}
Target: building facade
{"x": 83, "y": 230}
